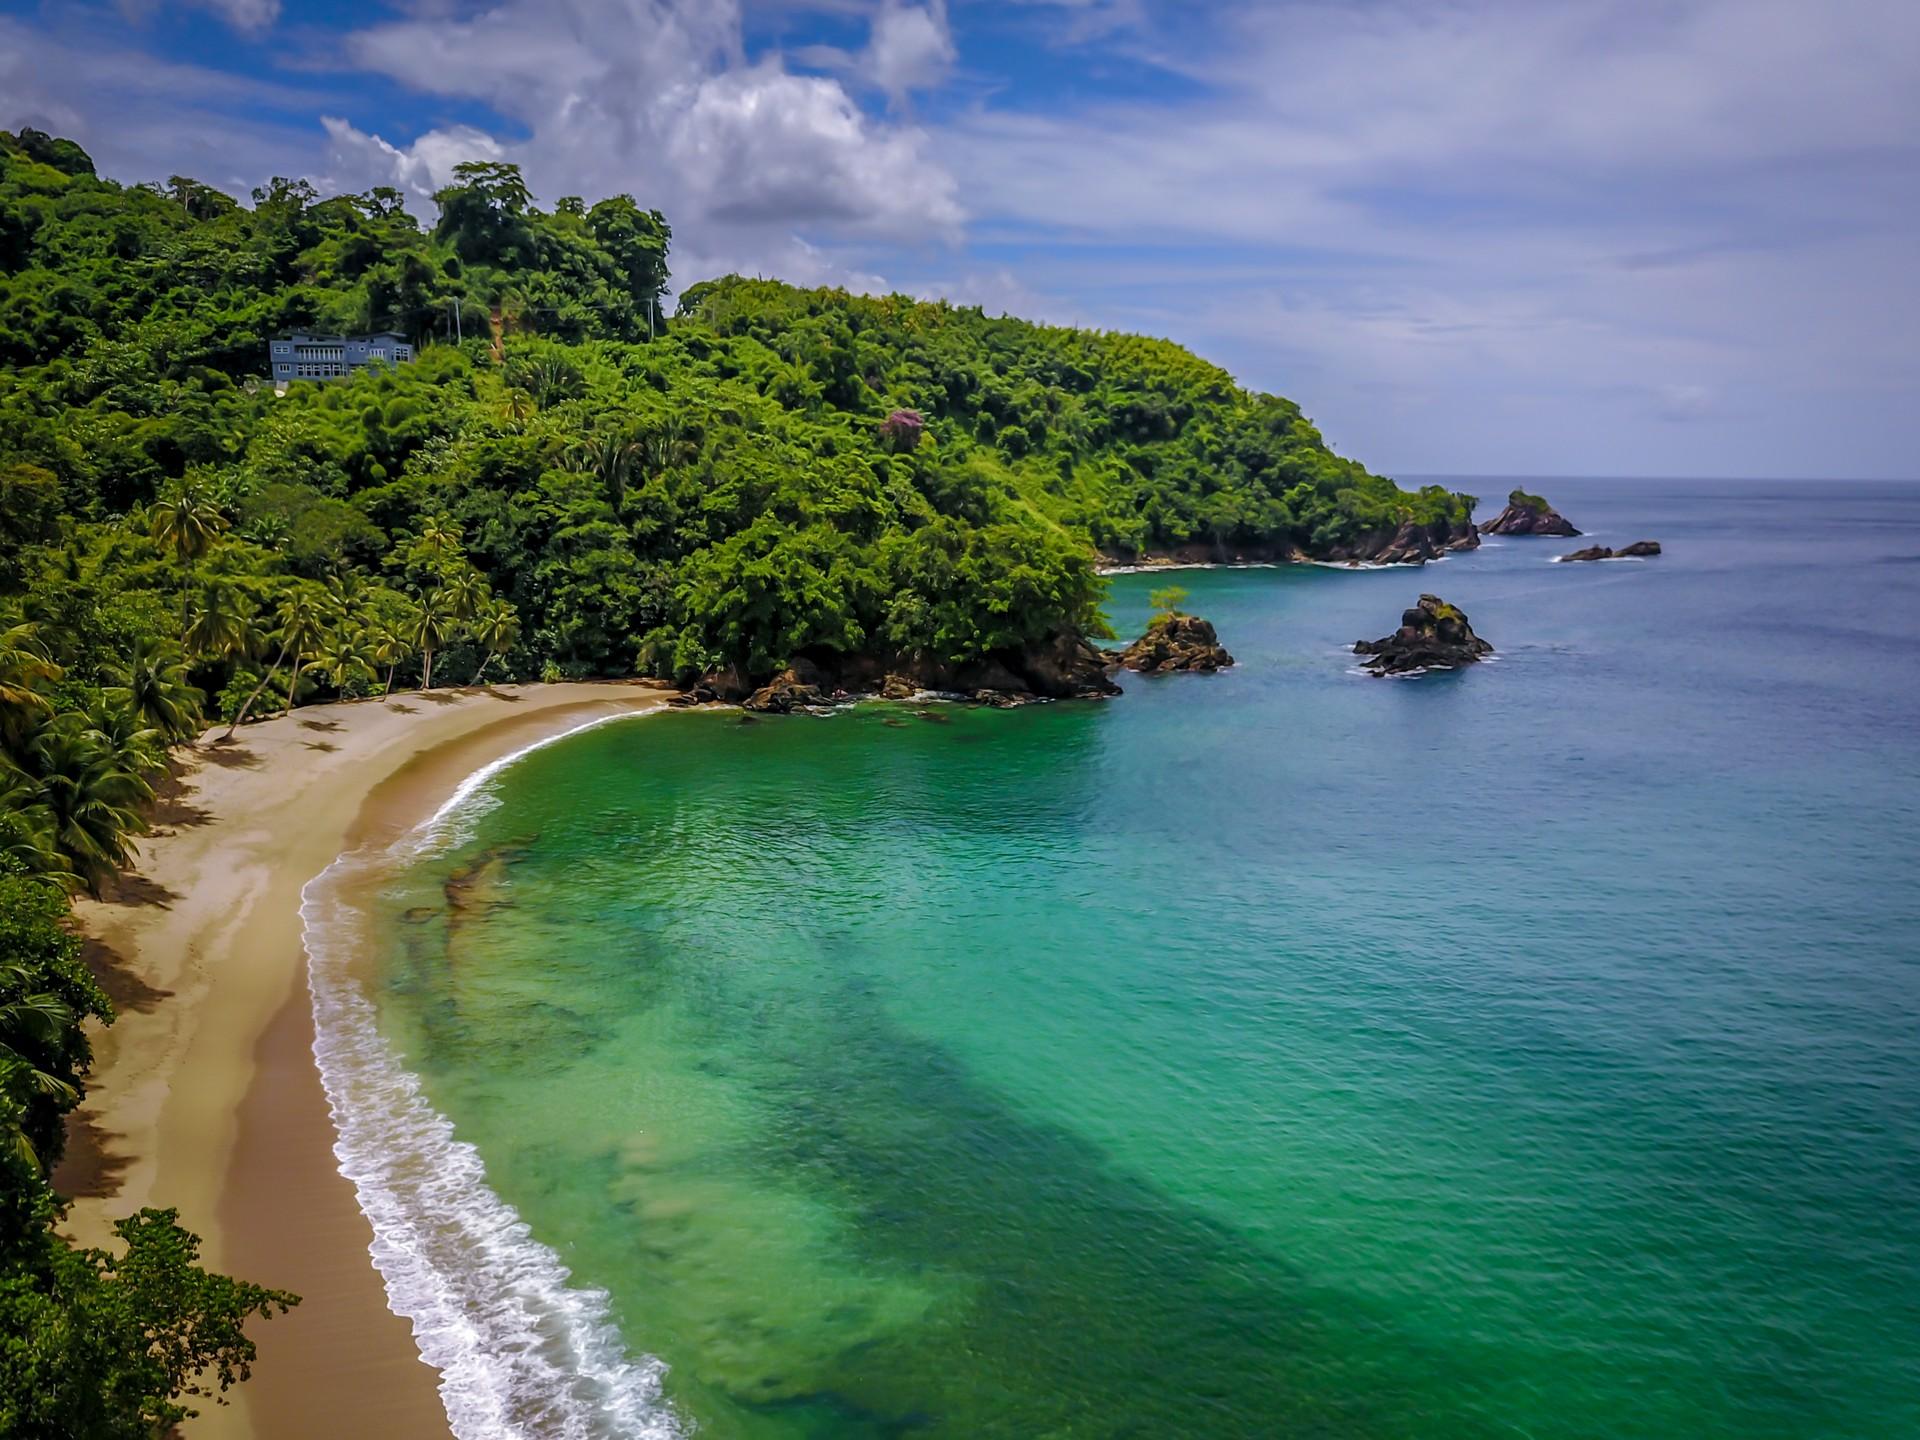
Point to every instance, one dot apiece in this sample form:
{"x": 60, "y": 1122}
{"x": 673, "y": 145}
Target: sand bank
{"x": 204, "y": 1094}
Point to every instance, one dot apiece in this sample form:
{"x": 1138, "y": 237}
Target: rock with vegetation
{"x": 1174, "y": 640}
{"x": 1433, "y": 635}
{"x": 1528, "y": 515}
{"x": 1638, "y": 550}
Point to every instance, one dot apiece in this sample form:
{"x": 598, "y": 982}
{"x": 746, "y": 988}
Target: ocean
{"x": 1523, "y": 1051}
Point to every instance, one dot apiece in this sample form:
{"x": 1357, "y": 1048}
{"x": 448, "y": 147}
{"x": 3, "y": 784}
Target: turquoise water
{"x": 1529, "y": 1051}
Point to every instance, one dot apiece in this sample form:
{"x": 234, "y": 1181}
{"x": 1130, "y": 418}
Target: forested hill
{"x": 564, "y": 482}
{"x": 613, "y": 488}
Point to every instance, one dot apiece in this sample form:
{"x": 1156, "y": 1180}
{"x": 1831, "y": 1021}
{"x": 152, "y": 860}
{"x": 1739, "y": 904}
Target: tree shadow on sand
{"x": 171, "y": 808}
{"x": 130, "y": 889}
{"x": 230, "y": 755}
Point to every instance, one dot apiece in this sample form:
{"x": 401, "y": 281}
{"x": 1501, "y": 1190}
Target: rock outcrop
{"x": 1062, "y": 667}
{"x": 1433, "y": 635}
{"x": 1176, "y": 642}
{"x": 1410, "y": 543}
{"x": 1528, "y": 515}
{"x": 1638, "y": 550}
{"x": 798, "y": 687}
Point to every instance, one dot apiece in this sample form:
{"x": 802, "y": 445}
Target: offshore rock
{"x": 1176, "y": 642}
{"x": 797, "y": 687}
{"x": 1639, "y": 549}
{"x": 1433, "y": 635}
{"x": 1528, "y": 515}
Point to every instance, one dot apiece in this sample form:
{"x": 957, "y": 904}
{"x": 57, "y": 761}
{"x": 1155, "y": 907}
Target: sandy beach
{"x": 204, "y": 1094}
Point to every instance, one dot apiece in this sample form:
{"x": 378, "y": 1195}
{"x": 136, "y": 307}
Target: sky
{"x": 1476, "y": 237}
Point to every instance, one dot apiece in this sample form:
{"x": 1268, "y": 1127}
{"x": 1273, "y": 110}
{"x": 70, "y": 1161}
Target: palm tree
{"x": 518, "y": 406}
{"x": 666, "y": 445}
{"x": 609, "y": 458}
{"x": 498, "y": 629}
{"x": 24, "y": 841}
{"x": 465, "y": 594}
{"x": 127, "y": 740}
{"x": 341, "y": 660}
{"x": 153, "y": 686}
{"x": 89, "y": 800}
{"x": 303, "y": 627}
{"x": 429, "y": 631}
{"x": 221, "y": 623}
{"x": 187, "y": 522}
{"x": 33, "y": 1023}
{"x": 439, "y": 540}
{"x": 25, "y": 670}
{"x": 388, "y": 647}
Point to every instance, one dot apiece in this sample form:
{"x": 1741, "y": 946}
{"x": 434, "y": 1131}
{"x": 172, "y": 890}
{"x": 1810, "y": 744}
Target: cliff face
{"x": 1433, "y": 635}
{"x": 1411, "y": 544}
{"x": 1528, "y": 515}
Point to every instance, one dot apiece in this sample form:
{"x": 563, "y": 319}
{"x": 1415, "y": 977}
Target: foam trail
{"x": 522, "y": 1353}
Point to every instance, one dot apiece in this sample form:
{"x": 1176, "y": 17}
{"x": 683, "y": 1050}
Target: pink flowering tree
{"x": 900, "y": 432}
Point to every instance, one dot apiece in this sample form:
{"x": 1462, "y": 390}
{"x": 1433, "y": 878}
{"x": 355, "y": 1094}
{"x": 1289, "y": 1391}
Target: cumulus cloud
{"x": 359, "y": 161}
{"x": 658, "y": 98}
{"x": 911, "y": 48}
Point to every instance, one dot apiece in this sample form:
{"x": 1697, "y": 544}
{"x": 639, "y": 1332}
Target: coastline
{"x": 205, "y": 1095}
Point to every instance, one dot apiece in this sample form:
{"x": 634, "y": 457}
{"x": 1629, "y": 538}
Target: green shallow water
{"x": 1527, "y": 1052}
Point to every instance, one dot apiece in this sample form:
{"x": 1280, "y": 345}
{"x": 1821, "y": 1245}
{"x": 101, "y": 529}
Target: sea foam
{"x": 521, "y": 1350}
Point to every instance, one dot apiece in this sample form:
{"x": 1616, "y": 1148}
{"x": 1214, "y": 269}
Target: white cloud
{"x": 911, "y": 48}
{"x": 656, "y": 97}
{"x": 252, "y": 15}
{"x": 1622, "y": 211}
{"x": 359, "y": 161}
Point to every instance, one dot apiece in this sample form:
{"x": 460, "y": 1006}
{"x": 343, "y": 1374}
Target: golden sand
{"x": 204, "y": 1094}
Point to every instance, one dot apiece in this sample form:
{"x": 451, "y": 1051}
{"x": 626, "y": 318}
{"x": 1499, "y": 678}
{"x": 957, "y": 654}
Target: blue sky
{"x": 1468, "y": 236}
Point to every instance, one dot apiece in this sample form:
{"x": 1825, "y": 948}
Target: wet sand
{"x": 204, "y": 1094}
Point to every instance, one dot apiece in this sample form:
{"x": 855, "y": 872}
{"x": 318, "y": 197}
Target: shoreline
{"x": 205, "y": 1093}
